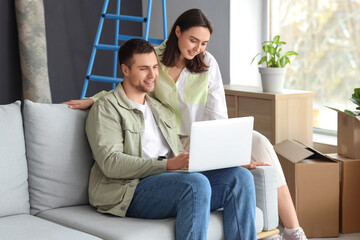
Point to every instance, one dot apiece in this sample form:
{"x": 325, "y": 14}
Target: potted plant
{"x": 272, "y": 75}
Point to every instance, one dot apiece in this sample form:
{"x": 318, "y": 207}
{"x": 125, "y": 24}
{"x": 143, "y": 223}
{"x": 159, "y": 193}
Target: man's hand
{"x": 254, "y": 165}
{"x": 79, "y": 104}
{"x": 181, "y": 161}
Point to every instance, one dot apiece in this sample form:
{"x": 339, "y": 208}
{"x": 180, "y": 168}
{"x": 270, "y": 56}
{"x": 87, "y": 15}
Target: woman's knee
{"x": 259, "y": 139}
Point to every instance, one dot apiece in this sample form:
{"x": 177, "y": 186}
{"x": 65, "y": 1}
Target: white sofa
{"x": 45, "y": 162}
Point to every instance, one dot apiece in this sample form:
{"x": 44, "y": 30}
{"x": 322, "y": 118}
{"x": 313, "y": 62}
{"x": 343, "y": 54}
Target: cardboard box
{"x": 349, "y": 193}
{"x": 313, "y": 181}
{"x": 348, "y": 142}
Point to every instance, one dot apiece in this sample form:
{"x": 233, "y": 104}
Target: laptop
{"x": 221, "y": 143}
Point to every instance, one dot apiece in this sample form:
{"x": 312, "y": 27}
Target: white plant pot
{"x": 272, "y": 79}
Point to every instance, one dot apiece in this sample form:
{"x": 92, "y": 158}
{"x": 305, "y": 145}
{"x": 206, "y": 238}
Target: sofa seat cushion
{"x": 85, "y": 218}
{"x": 58, "y": 154}
{"x": 14, "y": 195}
{"x": 25, "y": 226}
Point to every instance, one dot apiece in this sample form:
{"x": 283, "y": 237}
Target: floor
{"x": 350, "y": 236}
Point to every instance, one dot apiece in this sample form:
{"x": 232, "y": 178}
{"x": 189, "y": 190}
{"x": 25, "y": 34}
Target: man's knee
{"x": 198, "y": 184}
{"x": 242, "y": 177}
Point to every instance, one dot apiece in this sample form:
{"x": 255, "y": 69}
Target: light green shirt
{"x": 115, "y": 129}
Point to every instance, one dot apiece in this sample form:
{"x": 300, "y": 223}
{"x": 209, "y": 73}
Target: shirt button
{"x": 132, "y": 185}
{"x": 123, "y": 208}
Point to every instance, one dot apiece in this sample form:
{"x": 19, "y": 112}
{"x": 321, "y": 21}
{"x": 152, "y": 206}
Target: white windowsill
{"x": 325, "y": 137}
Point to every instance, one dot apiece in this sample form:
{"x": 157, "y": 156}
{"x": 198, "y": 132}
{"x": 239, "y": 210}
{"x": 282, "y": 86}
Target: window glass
{"x": 326, "y": 34}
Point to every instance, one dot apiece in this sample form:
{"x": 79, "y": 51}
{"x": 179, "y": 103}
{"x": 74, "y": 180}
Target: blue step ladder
{"x": 119, "y": 37}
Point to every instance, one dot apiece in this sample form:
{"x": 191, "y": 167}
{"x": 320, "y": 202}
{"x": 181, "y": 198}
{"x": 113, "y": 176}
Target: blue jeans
{"x": 191, "y": 196}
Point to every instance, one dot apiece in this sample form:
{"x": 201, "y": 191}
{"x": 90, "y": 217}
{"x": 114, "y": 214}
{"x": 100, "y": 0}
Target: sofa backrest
{"x": 58, "y": 154}
{"x": 14, "y": 195}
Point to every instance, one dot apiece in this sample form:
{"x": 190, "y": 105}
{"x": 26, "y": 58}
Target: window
{"x": 326, "y": 34}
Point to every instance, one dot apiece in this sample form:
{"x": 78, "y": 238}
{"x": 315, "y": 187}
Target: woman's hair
{"x": 131, "y": 47}
{"x": 190, "y": 18}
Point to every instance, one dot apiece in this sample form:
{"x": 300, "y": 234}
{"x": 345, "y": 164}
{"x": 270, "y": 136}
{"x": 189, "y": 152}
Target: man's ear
{"x": 125, "y": 69}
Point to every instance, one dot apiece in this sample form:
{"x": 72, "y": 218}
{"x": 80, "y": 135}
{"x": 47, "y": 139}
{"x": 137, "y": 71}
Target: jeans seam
{"x": 236, "y": 213}
{"x": 193, "y": 214}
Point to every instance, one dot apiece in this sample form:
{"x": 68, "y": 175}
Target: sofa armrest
{"x": 266, "y": 195}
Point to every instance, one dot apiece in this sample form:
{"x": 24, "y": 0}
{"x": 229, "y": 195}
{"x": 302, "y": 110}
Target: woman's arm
{"x": 86, "y": 102}
{"x": 215, "y": 105}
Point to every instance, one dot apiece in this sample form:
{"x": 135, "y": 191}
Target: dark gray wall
{"x": 219, "y": 14}
{"x": 10, "y": 74}
{"x": 71, "y": 27}
{"x": 70, "y": 30}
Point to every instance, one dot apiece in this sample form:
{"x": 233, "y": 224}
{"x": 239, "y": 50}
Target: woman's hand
{"x": 181, "y": 161}
{"x": 254, "y": 165}
{"x": 79, "y": 104}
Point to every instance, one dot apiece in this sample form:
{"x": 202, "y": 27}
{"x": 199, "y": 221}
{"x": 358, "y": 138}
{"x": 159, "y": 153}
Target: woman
{"x": 190, "y": 84}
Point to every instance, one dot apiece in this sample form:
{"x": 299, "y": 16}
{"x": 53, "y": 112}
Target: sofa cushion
{"x": 25, "y": 226}
{"x": 87, "y": 219}
{"x": 14, "y": 195}
{"x": 59, "y": 156}
{"x": 105, "y": 226}
{"x": 266, "y": 195}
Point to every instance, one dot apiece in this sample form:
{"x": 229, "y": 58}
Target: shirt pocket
{"x": 196, "y": 88}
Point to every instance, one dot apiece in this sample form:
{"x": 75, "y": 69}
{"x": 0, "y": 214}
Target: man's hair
{"x": 190, "y": 18}
{"x": 131, "y": 47}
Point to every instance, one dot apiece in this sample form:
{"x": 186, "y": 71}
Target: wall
{"x": 217, "y": 11}
{"x": 70, "y": 29}
{"x": 10, "y": 80}
{"x": 71, "y": 26}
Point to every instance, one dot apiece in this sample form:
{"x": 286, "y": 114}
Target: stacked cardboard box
{"x": 348, "y": 141}
{"x": 313, "y": 181}
{"x": 349, "y": 193}
{"x": 348, "y": 156}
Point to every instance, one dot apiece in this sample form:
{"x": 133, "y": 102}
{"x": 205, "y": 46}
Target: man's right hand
{"x": 79, "y": 104}
{"x": 181, "y": 161}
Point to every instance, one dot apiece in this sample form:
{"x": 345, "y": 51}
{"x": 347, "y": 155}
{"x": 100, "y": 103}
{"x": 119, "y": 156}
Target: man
{"x": 134, "y": 142}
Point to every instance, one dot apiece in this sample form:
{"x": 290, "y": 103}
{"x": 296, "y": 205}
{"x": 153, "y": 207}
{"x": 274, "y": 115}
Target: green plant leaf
{"x": 290, "y": 53}
{"x": 263, "y": 59}
{"x": 255, "y": 57}
{"x": 272, "y": 50}
{"x": 282, "y": 61}
{"x": 350, "y": 112}
{"x": 266, "y": 48}
{"x": 356, "y": 101}
{"x": 276, "y": 39}
{"x": 281, "y": 43}
{"x": 357, "y": 92}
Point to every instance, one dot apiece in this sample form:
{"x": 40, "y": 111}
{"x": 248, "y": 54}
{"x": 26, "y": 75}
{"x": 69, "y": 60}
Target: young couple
{"x": 128, "y": 130}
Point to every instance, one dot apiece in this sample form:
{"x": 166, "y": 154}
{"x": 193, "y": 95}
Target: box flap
{"x": 342, "y": 112}
{"x": 335, "y": 109}
{"x": 294, "y": 151}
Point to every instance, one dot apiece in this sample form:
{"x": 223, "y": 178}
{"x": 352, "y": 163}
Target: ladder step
{"x": 107, "y": 47}
{"x": 124, "y": 17}
{"x": 122, "y": 37}
{"x": 104, "y": 79}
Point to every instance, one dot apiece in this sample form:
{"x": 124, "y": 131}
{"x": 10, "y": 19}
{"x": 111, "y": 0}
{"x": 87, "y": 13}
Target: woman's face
{"x": 192, "y": 41}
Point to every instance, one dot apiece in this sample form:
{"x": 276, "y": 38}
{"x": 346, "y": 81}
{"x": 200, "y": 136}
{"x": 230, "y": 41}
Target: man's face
{"x": 143, "y": 73}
